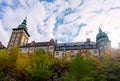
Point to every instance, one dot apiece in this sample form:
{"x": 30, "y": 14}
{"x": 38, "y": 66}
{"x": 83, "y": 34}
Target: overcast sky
{"x": 62, "y": 20}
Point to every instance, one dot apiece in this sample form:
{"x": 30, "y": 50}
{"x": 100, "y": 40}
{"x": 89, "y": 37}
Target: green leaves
{"x": 80, "y": 68}
{"x": 41, "y": 66}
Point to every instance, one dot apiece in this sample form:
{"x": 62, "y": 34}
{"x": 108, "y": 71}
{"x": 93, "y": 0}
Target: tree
{"x": 23, "y": 67}
{"x": 4, "y": 60}
{"x": 41, "y": 62}
{"x": 109, "y": 68}
{"x": 8, "y": 62}
{"x": 79, "y": 69}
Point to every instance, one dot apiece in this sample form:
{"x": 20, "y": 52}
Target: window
{"x": 57, "y": 53}
{"x": 95, "y": 51}
{"x": 25, "y": 49}
{"x": 16, "y": 42}
{"x": 18, "y": 35}
{"x": 31, "y": 49}
{"x": 51, "y": 48}
{"x": 63, "y": 54}
{"x": 57, "y": 48}
{"x": 17, "y": 38}
{"x": 72, "y": 52}
{"x": 45, "y": 48}
{"x": 12, "y": 39}
{"x": 14, "y": 35}
{"x": 11, "y": 43}
{"x": 82, "y": 46}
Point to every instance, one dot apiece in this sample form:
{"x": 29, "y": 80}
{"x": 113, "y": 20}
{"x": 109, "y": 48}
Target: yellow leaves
{"x": 24, "y": 63}
{"x": 35, "y": 64}
{"x": 8, "y": 58}
{"x": 4, "y": 55}
{"x": 108, "y": 56}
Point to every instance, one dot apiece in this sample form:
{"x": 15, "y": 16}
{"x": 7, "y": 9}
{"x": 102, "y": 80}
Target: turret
{"x": 102, "y": 41}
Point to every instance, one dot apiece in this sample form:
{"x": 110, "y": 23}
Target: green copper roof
{"x": 101, "y": 35}
{"x": 24, "y": 21}
{"x": 23, "y": 24}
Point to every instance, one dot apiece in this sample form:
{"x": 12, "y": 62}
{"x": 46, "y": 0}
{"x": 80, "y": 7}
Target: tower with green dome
{"x": 19, "y": 35}
{"x": 103, "y": 41}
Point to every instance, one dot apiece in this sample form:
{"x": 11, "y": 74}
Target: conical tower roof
{"x": 24, "y": 21}
{"x": 23, "y": 24}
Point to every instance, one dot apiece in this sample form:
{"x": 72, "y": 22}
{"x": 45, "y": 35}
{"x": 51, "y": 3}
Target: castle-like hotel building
{"x": 20, "y": 38}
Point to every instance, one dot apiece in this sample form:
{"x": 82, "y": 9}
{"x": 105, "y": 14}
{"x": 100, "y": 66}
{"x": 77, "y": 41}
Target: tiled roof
{"x": 35, "y": 44}
{"x": 75, "y": 46}
{"x": 64, "y": 46}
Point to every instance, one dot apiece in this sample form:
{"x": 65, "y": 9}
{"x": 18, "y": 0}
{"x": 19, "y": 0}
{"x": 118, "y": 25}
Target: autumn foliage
{"x": 41, "y": 66}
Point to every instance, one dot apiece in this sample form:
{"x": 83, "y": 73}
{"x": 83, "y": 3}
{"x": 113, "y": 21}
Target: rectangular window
{"x": 57, "y": 53}
{"x": 50, "y": 48}
{"x": 95, "y": 51}
{"x": 14, "y": 35}
{"x": 72, "y": 53}
{"x": 45, "y": 48}
{"x": 31, "y": 49}
{"x": 18, "y": 35}
{"x": 16, "y": 42}
{"x": 16, "y": 38}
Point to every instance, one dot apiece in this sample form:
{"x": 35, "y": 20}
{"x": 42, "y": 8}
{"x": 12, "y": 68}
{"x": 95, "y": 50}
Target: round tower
{"x": 103, "y": 41}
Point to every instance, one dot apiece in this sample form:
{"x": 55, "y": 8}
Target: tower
{"x": 19, "y": 35}
{"x": 103, "y": 41}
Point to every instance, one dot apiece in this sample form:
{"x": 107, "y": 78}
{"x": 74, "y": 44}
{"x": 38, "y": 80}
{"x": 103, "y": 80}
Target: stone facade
{"x": 19, "y": 35}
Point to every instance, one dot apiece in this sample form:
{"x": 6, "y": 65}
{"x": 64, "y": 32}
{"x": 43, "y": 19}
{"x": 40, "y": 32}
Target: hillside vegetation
{"x": 40, "y": 66}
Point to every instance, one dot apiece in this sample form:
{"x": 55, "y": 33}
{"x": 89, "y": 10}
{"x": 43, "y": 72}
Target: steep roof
{"x": 23, "y": 24}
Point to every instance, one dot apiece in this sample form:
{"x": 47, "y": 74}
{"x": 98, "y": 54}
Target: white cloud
{"x": 74, "y": 4}
{"x": 4, "y": 37}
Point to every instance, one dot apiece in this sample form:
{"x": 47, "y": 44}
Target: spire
{"x": 24, "y": 21}
{"x": 100, "y": 28}
{"x": 23, "y": 24}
